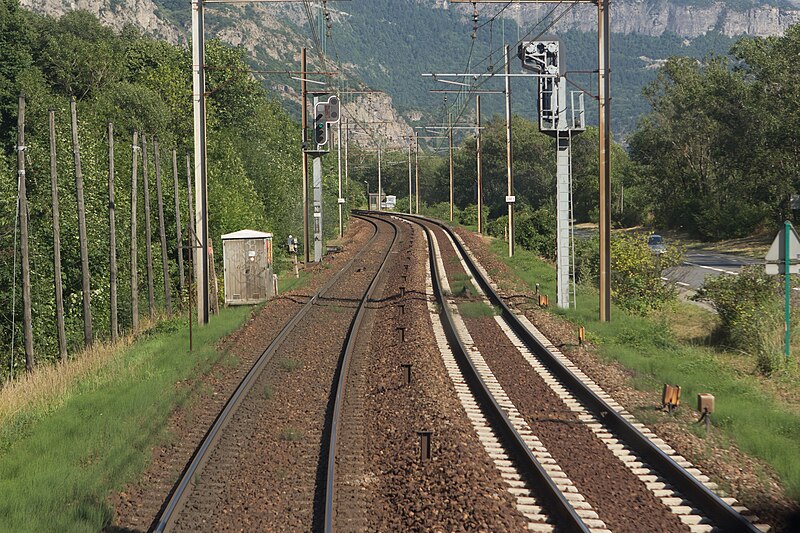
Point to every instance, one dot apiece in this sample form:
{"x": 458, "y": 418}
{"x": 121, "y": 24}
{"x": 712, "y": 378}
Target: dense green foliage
{"x": 636, "y": 283}
{"x": 138, "y": 84}
{"x": 751, "y": 314}
{"x": 720, "y": 148}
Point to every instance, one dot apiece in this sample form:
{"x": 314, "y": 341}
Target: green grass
{"x": 288, "y": 282}
{"x": 57, "y": 471}
{"x": 460, "y": 285}
{"x": 290, "y": 434}
{"x": 746, "y": 414}
{"x": 290, "y": 365}
{"x": 268, "y": 392}
{"x": 477, "y": 309}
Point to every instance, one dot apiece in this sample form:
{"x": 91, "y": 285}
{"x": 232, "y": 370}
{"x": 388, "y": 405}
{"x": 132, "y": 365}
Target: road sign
{"x": 784, "y": 258}
{"x": 776, "y": 257}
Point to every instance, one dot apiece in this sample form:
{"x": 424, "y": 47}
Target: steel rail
{"x": 341, "y": 383}
{"x": 684, "y": 482}
{"x": 557, "y": 505}
{"x": 182, "y": 489}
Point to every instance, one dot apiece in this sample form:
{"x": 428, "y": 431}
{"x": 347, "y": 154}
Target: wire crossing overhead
{"x": 604, "y": 127}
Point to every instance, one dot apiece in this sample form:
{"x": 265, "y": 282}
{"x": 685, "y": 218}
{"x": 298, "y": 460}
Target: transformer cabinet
{"x": 248, "y": 267}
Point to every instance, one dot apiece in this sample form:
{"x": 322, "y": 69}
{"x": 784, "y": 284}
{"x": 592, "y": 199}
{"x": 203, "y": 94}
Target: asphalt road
{"x": 700, "y": 264}
{"x": 697, "y": 265}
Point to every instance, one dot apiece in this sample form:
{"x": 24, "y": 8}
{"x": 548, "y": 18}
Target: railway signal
{"x": 544, "y": 59}
{"x": 326, "y": 112}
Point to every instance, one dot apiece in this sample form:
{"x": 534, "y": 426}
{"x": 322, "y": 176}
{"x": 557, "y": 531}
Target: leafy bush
{"x": 469, "y": 216}
{"x": 497, "y": 227}
{"x": 750, "y": 312}
{"x": 636, "y": 282}
{"x": 587, "y": 260}
{"x": 536, "y": 231}
{"x": 440, "y": 211}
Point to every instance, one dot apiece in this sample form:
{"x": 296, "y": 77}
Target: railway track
{"x": 663, "y": 489}
{"x": 558, "y": 444}
{"x": 211, "y": 454}
{"x": 341, "y": 380}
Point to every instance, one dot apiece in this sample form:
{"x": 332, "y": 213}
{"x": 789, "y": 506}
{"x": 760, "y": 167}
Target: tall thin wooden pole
{"x": 27, "y": 325}
{"x": 200, "y": 157}
{"x": 191, "y": 238}
{"x": 479, "y": 162}
{"x": 303, "y": 140}
{"x": 450, "y": 136}
{"x": 178, "y": 234}
{"x": 162, "y": 232}
{"x": 604, "y": 127}
{"x": 148, "y": 233}
{"x": 59, "y": 289}
{"x": 112, "y": 237}
{"x": 410, "y": 176}
{"x": 134, "y": 234}
{"x": 510, "y": 199}
{"x": 84, "y": 245}
{"x": 416, "y": 164}
{"x": 192, "y": 235}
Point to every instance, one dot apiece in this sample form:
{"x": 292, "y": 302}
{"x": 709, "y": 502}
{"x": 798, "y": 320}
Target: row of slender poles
{"x": 83, "y": 238}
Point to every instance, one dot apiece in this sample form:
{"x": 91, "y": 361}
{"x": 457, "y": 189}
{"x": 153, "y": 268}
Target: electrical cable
{"x": 548, "y": 27}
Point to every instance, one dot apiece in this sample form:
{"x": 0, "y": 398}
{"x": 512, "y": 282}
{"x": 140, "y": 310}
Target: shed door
{"x": 254, "y": 269}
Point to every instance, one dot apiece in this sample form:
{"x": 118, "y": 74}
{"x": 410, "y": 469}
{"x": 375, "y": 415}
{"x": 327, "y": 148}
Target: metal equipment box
{"x": 248, "y": 267}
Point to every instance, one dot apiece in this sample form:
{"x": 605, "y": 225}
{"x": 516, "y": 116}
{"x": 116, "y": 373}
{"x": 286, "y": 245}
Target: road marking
{"x": 710, "y": 268}
{"x": 682, "y": 284}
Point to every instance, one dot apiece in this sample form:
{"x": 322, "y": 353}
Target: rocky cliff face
{"x": 139, "y": 13}
{"x": 273, "y": 34}
{"x": 654, "y": 17}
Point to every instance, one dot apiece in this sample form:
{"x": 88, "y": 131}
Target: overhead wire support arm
{"x": 604, "y": 127}
{"x": 449, "y": 91}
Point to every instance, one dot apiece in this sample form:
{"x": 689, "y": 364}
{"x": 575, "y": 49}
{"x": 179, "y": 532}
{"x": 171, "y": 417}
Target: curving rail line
{"x": 723, "y": 515}
{"x": 341, "y": 384}
{"x": 182, "y": 489}
{"x": 557, "y": 504}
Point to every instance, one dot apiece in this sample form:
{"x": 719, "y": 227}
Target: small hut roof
{"x": 246, "y": 234}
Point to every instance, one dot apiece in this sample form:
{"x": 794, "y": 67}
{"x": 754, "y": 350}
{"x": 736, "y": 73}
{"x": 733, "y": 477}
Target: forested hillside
{"x": 388, "y": 43}
{"x": 138, "y": 84}
{"x": 414, "y": 38}
{"x": 720, "y": 149}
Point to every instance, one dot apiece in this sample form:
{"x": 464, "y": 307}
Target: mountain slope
{"x": 387, "y": 44}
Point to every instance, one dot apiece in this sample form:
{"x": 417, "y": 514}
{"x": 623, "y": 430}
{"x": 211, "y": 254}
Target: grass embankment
{"x": 747, "y": 413}
{"x": 287, "y": 281}
{"x": 62, "y": 455}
